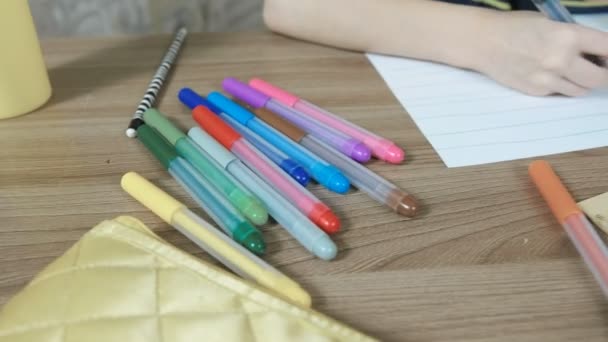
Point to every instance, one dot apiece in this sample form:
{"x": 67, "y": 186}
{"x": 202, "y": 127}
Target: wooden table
{"x": 484, "y": 261}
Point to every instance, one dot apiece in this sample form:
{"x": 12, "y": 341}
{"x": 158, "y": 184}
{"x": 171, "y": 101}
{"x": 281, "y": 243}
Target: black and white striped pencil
{"x": 157, "y": 82}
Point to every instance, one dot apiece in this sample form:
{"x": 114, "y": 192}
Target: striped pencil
{"x": 157, "y": 82}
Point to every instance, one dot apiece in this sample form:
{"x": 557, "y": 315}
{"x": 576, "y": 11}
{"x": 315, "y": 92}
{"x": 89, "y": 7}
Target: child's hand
{"x": 540, "y": 57}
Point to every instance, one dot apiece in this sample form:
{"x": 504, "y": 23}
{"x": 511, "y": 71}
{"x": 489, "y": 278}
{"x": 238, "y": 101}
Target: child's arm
{"x": 522, "y": 50}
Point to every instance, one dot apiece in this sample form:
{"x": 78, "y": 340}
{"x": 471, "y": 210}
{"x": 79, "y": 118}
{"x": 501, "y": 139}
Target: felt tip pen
{"x": 327, "y": 175}
{"x": 219, "y": 209}
{"x": 238, "y": 196}
{"x": 579, "y": 229}
{"x": 305, "y": 201}
{"x": 207, "y": 237}
{"x": 292, "y": 168}
{"x": 362, "y": 178}
{"x": 288, "y": 216}
{"x": 347, "y": 145}
{"x": 382, "y": 148}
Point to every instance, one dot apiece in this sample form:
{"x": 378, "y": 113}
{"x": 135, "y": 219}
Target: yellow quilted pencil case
{"x": 121, "y": 282}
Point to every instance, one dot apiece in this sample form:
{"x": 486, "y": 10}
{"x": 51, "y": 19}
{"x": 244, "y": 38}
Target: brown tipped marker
{"x": 364, "y": 179}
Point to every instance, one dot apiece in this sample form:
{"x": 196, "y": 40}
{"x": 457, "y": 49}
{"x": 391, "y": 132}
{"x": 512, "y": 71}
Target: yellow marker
{"x": 214, "y": 242}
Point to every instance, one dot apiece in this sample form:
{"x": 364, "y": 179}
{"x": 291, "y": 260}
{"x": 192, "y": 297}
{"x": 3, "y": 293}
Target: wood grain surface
{"x": 485, "y": 261}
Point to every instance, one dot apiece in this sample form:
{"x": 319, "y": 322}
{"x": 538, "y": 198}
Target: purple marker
{"x": 347, "y": 145}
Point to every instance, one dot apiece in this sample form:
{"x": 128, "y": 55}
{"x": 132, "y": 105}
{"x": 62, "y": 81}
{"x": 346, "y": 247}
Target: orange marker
{"x": 579, "y": 229}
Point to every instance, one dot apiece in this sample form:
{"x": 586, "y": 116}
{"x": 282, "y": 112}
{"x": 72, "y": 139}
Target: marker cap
{"x": 160, "y": 148}
{"x": 150, "y": 195}
{"x": 323, "y": 217}
{"x": 250, "y": 238}
{"x": 274, "y": 92}
{"x": 215, "y": 126}
{"x": 252, "y": 209}
{"x": 245, "y": 93}
{"x": 160, "y": 122}
{"x": 392, "y": 153}
{"x": 330, "y": 177}
{"x": 191, "y": 99}
{"x": 553, "y": 190}
{"x": 325, "y": 248}
{"x": 296, "y": 171}
{"x": 403, "y": 203}
{"x": 358, "y": 150}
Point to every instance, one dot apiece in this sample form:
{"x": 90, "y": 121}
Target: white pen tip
{"x": 131, "y": 133}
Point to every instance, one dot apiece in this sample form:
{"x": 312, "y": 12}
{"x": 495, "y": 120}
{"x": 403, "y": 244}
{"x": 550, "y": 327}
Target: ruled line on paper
{"x": 523, "y": 141}
{"x": 603, "y": 114}
{"x": 470, "y": 119}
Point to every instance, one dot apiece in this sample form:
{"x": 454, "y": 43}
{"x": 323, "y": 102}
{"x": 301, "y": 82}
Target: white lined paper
{"x": 470, "y": 119}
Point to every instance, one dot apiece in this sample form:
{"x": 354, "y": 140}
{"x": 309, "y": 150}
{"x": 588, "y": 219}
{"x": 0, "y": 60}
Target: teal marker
{"x": 218, "y": 208}
{"x": 242, "y": 199}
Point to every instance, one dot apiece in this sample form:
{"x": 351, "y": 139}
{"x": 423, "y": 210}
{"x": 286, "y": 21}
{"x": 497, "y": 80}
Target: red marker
{"x": 302, "y": 199}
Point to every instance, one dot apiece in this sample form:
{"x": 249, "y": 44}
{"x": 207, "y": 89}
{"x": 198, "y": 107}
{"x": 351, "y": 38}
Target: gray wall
{"x": 64, "y": 18}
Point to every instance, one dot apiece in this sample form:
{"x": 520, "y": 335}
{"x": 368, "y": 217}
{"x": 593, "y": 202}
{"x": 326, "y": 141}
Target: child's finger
{"x": 592, "y": 41}
{"x": 568, "y": 88}
{"x": 587, "y": 74}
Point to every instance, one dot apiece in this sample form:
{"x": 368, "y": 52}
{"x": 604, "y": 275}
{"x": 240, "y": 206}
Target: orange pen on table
{"x": 579, "y": 229}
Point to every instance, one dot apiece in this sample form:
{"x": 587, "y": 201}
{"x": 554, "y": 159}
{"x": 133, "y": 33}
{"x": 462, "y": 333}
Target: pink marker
{"x": 345, "y": 144}
{"x": 301, "y": 198}
{"x": 381, "y": 148}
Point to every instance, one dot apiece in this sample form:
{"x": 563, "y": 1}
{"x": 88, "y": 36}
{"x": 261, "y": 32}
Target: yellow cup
{"x": 24, "y": 82}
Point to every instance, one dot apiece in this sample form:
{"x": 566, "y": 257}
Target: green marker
{"x": 241, "y": 198}
{"x": 201, "y": 190}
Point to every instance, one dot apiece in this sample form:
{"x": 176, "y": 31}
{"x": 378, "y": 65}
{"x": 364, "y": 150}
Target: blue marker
{"x": 288, "y": 165}
{"x": 326, "y": 174}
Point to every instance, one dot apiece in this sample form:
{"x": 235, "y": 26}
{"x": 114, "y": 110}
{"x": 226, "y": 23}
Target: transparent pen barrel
{"x": 328, "y": 135}
{"x": 334, "y": 120}
{"x": 554, "y": 10}
{"x": 211, "y": 169}
{"x": 203, "y": 193}
{"x": 288, "y": 216}
{"x": 365, "y": 180}
{"x": 287, "y": 146}
{"x": 268, "y": 150}
{"x": 265, "y": 168}
{"x": 590, "y": 246}
{"x": 220, "y": 246}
